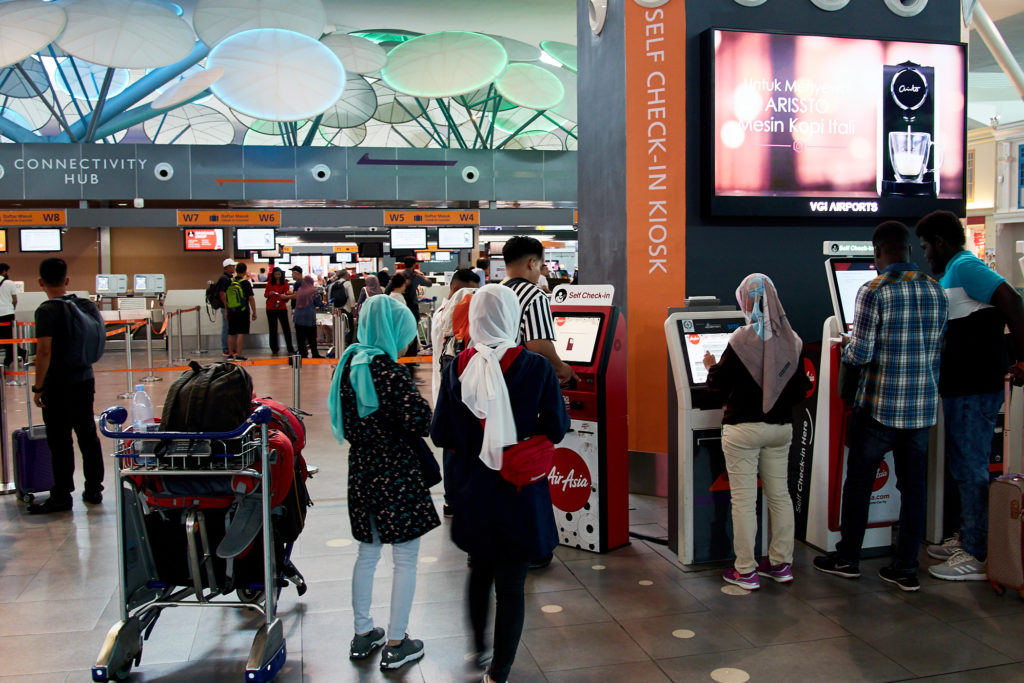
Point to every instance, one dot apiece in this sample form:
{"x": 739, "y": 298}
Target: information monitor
{"x": 40, "y": 239}
{"x": 845, "y": 277}
{"x": 408, "y": 238}
{"x": 576, "y": 336}
{"x": 255, "y": 239}
{"x": 204, "y": 239}
{"x": 455, "y": 238}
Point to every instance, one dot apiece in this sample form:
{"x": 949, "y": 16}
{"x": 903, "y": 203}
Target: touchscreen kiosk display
{"x": 701, "y": 336}
{"x": 576, "y": 337}
{"x": 102, "y": 284}
{"x": 847, "y": 277}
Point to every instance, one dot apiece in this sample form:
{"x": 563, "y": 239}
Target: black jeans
{"x": 509, "y": 579}
{"x": 305, "y": 335}
{"x": 67, "y": 408}
{"x": 869, "y": 441}
{"x": 275, "y": 318}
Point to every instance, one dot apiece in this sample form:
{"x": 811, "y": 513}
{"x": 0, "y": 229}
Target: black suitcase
{"x": 33, "y": 464}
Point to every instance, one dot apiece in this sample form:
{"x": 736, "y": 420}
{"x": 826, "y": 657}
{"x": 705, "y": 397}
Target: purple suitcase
{"x": 33, "y": 466}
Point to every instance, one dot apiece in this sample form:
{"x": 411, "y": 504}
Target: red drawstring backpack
{"x": 530, "y": 460}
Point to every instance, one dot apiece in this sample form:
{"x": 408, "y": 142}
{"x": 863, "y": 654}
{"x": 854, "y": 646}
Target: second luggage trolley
{"x": 144, "y": 588}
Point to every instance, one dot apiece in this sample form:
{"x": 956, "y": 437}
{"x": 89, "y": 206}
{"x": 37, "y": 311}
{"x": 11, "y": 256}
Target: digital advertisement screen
{"x": 455, "y": 238}
{"x": 408, "y": 238}
{"x": 422, "y": 255}
{"x": 204, "y": 239}
{"x": 576, "y": 337}
{"x": 3, "y": 241}
{"x": 40, "y": 239}
{"x": 826, "y": 126}
{"x": 255, "y": 239}
{"x": 847, "y": 277}
{"x": 701, "y": 336}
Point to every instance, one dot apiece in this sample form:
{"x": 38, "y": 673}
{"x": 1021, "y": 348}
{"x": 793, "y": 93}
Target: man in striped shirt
{"x": 523, "y": 258}
{"x": 898, "y": 325}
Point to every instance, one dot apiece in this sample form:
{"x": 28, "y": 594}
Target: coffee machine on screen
{"x": 907, "y": 134}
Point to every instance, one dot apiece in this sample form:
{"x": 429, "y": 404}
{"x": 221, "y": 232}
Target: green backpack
{"x": 235, "y": 295}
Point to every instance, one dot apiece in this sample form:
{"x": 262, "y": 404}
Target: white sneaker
{"x": 961, "y": 566}
{"x": 946, "y": 549}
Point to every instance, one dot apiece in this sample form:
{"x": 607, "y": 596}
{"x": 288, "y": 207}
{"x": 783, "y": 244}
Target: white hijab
{"x": 494, "y": 328}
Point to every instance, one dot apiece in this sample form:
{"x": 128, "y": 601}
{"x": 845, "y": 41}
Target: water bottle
{"x": 142, "y": 418}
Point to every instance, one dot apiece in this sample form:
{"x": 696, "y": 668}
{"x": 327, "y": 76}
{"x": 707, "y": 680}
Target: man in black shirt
{"x": 416, "y": 278}
{"x": 222, "y": 286}
{"x": 296, "y": 272}
{"x": 65, "y": 393}
{"x": 239, "y": 305}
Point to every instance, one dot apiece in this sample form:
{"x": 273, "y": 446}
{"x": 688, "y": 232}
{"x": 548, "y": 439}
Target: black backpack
{"x": 208, "y": 398}
{"x": 338, "y": 295}
{"x": 87, "y": 335}
{"x": 213, "y": 297}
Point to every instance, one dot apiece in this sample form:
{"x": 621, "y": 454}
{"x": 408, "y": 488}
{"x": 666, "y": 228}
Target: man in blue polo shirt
{"x": 974, "y": 366}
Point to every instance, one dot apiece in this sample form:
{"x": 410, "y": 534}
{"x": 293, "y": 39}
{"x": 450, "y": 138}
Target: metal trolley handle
{"x": 117, "y": 416}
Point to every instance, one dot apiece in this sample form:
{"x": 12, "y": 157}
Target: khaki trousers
{"x": 751, "y": 447}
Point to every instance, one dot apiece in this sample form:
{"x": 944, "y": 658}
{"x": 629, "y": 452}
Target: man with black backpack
{"x": 214, "y": 296}
{"x": 71, "y": 337}
{"x": 240, "y": 305}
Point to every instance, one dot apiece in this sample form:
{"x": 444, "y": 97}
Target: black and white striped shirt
{"x": 535, "y": 321}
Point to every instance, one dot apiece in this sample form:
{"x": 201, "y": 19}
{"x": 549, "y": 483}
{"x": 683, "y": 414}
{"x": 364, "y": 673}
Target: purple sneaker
{"x": 749, "y": 581}
{"x": 780, "y": 573}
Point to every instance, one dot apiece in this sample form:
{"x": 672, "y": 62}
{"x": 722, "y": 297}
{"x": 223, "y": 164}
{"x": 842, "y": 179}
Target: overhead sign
{"x": 583, "y": 295}
{"x": 431, "y": 217}
{"x": 346, "y": 248}
{"x": 33, "y": 218}
{"x": 200, "y": 217}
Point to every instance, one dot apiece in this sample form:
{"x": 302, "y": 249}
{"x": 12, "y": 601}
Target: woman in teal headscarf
{"x": 375, "y": 406}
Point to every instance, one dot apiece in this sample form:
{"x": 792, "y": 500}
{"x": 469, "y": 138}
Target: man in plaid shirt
{"x": 899, "y": 323}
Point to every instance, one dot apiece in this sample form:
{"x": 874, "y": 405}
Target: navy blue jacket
{"x": 492, "y": 519}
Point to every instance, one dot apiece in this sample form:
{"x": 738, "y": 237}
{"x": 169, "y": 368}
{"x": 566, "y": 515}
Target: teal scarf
{"x": 386, "y": 326}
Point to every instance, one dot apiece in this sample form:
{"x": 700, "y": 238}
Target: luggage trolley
{"x": 143, "y": 595}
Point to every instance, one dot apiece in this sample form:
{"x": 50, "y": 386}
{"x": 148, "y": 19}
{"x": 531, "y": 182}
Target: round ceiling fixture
{"x": 444, "y": 64}
{"x": 215, "y": 20}
{"x": 126, "y": 34}
{"x": 26, "y": 27}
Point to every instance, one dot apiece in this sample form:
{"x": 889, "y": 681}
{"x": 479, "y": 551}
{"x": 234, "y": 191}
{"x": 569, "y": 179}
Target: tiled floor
{"x": 58, "y": 581}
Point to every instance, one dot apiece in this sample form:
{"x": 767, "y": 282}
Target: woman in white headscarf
{"x": 761, "y": 377}
{"x": 494, "y": 395}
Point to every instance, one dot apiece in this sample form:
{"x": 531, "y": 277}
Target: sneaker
{"x": 446, "y": 510}
{"x": 48, "y": 506}
{"x": 363, "y": 646}
{"x": 749, "y": 581}
{"x": 779, "y": 573}
{"x": 961, "y": 566}
{"x": 905, "y": 581}
{"x": 397, "y": 656}
{"x": 831, "y": 564}
{"x": 92, "y": 497}
{"x": 237, "y": 357}
{"x": 482, "y": 659}
{"x": 945, "y": 550}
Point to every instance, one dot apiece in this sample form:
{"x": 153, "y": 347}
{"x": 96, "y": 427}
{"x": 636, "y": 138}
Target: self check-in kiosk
{"x": 828, "y": 468}
{"x": 703, "y": 528}
{"x": 589, "y": 480}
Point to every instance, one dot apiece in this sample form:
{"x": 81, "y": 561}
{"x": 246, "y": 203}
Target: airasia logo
{"x": 881, "y": 477}
{"x": 569, "y": 481}
{"x": 812, "y": 375}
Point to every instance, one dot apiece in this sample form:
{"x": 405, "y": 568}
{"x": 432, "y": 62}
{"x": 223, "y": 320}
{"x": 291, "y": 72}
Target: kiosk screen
{"x": 846, "y": 275}
{"x": 699, "y": 336}
{"x": 576, "y": 337}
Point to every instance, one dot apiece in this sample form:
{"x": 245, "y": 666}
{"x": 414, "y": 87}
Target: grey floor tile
{"x": 449, "y": 659}
{"x": 575, "y": 607}
{"x": 22, "y": 618}
{"x": 929, "y": 649}
{"x": 1007, "y": 673}
{"x": 587, "y": 645}
{"x": 633, "y": 601}
{"x": 956, "y": 601}
{"x": 1000, "y": 633}
{"x": 554, "y": 577}
{"x": 12, "y": 586}
{"x": 57, "y": 677}
{"x": 873, "y": 614}
{"x": 634, "y": 672}
{"x": 836, "y": 660}
{"x": 678, "y": 635}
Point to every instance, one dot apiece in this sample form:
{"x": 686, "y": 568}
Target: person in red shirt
{"x": 277, "y": 310}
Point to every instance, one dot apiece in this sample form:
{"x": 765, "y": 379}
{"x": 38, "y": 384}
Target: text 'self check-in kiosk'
{"x": 589, "y": 480}
{"x": 703, "y": 502}
{"x": 828, "y": 468}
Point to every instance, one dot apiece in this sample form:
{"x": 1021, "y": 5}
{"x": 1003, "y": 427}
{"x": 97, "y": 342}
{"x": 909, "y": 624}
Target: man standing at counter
{"x": 222, "y": 287}
{"x": 974, "y": 366}
{"x": 898, "y": 325}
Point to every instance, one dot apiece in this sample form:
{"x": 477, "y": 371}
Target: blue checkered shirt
{"x": 898, "y": 326}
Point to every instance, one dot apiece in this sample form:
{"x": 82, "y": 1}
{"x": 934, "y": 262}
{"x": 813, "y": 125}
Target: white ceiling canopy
{"x": 530, "y": 86}
{"x": 517, "y": 50}
{"x": 215, "y": 20}
{"x": 129, "y": 34}
{"x": 358, "y": 55}
{"x": 567, "y": 107}
{"x": 185, "y": 90}
{"x": 276, "y": 75}
{"x": 26, "y": 27}
{"x": 192, "y": 124}
{"x": 444, "y": 64}
{"x": 355, "y": 106}
{"x": 563, "y": 53}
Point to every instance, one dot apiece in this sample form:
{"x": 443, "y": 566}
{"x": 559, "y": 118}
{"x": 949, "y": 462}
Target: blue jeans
{"x": 869, "y": 440}
{"x": 224, "y": 331}
{"x": 970, "y": 424}
{"x": 403, "y": 584}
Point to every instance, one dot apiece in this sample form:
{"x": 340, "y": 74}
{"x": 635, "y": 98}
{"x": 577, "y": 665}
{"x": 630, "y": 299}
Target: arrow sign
{"x": 366, "y": 160}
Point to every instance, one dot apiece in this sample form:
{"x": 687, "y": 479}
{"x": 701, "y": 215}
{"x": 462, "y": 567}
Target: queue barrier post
{"x": 181, "y": 343}
{"x": 150, "y": 378}
{"x": 296, "y": 381}
{"x": 130, "y": 391}
{"x": 6, "y": 472}
{"x": 336, "y": 328}
{"x": 15, "y": 380}
{"x": 199, "y": 332}
{"x": 168, "y": 338}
